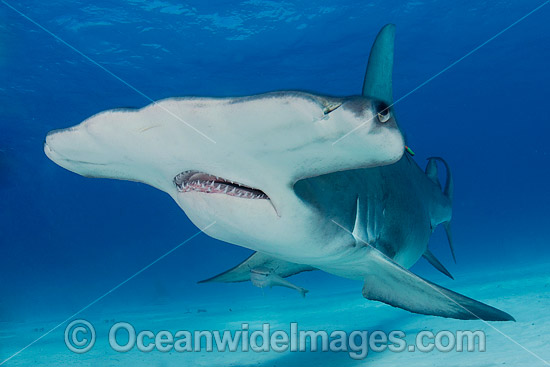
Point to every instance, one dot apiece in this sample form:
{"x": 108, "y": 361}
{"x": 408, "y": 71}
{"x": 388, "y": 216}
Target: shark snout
{"x": 73, "y": 151}
{"x": 49, "y": 148}
{"x": 56, "y": 143}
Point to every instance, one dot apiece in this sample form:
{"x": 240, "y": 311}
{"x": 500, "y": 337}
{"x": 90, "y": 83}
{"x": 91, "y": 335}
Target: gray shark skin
{"x": 276, "y": 182}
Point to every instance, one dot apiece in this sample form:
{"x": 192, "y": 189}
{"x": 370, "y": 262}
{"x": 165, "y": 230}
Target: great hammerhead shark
{"x": 308, "y": 181}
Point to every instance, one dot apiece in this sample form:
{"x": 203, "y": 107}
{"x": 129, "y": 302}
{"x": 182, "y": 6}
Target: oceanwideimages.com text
{"x": 80, "y": 337}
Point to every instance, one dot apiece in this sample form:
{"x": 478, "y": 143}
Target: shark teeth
{"x": 188, "y": 181}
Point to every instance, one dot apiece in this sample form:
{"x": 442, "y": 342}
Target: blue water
{"x": 65, "y": 240}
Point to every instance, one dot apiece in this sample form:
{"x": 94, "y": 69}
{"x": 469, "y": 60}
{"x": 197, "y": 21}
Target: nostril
{"x": 46, "y": 146}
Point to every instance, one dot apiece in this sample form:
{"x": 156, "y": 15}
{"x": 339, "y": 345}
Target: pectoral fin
{"x": 241, "y": 272}
{"x": 390, "y": 283}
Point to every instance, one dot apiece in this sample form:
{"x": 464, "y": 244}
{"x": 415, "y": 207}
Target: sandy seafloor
{"x": 521, "y": 291}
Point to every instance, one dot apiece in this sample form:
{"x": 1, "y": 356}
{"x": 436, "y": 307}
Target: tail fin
{"x": 449, "y": 185}
{"x": 431, "y": 171}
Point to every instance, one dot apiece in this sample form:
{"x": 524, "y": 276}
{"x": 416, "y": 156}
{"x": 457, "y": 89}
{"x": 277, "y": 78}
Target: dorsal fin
{"x": 431, "y": 171}
{"x": 436, "y": 263}
{"x": 378, "y": 77}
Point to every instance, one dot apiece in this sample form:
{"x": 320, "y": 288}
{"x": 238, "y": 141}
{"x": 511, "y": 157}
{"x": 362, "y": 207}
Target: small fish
{"x": 263, "y": 277}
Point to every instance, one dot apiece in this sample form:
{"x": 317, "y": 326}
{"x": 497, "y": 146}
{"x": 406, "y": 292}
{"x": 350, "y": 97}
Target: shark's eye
{"x": 383, "y": 112}
{"x": 331, "y": 107}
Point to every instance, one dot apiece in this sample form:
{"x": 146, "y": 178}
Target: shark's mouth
{"x": 188, "y": 181}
